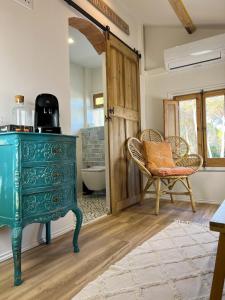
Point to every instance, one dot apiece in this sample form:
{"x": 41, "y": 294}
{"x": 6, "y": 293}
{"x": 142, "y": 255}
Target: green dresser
{"x": 37, "y": 185}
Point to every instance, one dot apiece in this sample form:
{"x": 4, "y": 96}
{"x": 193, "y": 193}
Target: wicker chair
{"x": 180, "y": 147}
{"x": 151, "y": 135}
{"x": 165, "y": 184}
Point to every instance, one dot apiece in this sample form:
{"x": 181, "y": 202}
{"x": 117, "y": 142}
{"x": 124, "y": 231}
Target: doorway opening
{"x": 118, "y": 119}
{"x": 87, "y": 67}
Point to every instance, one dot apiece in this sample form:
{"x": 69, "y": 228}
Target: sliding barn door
{"x": 123, "y": 100}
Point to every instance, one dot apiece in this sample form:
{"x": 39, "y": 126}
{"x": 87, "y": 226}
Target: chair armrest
{"x": 194, "y": 161}
{"x": 134, "y": 147}
{"x": 142, "y": 167}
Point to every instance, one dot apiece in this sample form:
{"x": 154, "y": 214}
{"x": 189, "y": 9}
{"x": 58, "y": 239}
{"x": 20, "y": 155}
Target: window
{"x": 95, "y": 110}
{"x": 214, "y": 124}
{"x": 200, "y": 119}
{"x": 98, "y": 100}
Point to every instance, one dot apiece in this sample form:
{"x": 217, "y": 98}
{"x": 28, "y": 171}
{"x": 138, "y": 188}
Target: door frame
{"x": 98, "y": 39}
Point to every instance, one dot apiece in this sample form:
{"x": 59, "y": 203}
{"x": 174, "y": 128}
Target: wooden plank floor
{"x": 55, "y": 272}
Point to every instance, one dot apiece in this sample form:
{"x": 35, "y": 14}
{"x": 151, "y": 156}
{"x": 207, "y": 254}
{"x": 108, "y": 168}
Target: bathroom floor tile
{"x": 93, "y": 206}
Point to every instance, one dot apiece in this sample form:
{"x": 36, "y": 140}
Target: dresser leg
{"x": 79, "y": 216}
{"x": 48, "y": 232}
{"x": 16, "y": 248}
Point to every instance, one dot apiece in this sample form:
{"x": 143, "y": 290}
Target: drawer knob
{"x": 55, "y": 199}
{"x": 56, "y": 175}
{"x": 57, "y": 150}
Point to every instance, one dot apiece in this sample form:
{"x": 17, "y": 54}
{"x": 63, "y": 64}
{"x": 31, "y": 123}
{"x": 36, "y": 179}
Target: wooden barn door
{"x": 123, "y": 101}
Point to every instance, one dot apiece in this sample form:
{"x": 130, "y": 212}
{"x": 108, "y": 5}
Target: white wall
{"x": 208, "y": 185}
{"x": 34, "y": 58}
{"x": 84, "y": 82}
{"x": 158, "y": 38}
{"x": 77, "y": 86}
{"x": 94, "y": 85}
{"x": 97, "y": 81}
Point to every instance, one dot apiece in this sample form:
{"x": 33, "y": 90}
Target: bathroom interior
{"x": 87, "y": 122}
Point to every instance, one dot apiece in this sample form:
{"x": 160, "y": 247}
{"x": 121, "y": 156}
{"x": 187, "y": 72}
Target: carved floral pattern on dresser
{"x": 38, "y": 185}
{"x": 46, "y": 202}
{"x": 47, "y": 175}
{"x": 47, "y": 151}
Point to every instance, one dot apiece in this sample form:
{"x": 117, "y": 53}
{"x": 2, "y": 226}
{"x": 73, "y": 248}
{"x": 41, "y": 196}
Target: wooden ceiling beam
{"x": 183, "y": 15}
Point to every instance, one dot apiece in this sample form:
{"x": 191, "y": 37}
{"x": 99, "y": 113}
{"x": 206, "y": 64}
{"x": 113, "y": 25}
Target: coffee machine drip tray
{"x": 48, "y": 130}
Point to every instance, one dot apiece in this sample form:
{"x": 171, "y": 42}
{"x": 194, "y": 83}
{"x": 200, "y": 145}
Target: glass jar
{"x": 20, "y": 113}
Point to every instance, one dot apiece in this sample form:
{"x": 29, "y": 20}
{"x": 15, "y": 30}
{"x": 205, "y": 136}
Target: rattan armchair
{"x": 165, "y": 184}
{"x": 151, "y": 135}
{"x": 179, "y": 146}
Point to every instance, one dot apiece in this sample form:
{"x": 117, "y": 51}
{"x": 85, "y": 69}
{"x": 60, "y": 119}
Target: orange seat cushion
{"x": 159, "y": 160}
{"x": 158, "y": 155}
{"x": 176, "y": 171}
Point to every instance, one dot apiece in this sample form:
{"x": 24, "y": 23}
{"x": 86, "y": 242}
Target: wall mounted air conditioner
{"x": 206, "y": 51}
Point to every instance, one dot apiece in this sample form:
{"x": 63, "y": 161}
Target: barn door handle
{"x": 111, "y": 110}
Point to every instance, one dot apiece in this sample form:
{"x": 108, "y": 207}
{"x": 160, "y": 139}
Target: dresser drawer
{"x": 42, "y": 203}
{"x": 47, "y": 151}
{"x": 51, "y": 174}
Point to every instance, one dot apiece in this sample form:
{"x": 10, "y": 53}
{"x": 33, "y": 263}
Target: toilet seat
{"x": 94, "y": 169}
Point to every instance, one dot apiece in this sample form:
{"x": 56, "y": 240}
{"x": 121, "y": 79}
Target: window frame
{"x": 210, "y": 162}
{"x": 95, "y": 97}
{"x": 201, "y": 124}
{"x": 198, "y": 97}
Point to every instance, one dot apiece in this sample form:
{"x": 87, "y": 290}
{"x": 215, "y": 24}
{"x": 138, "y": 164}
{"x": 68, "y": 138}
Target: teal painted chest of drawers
{"x": 37, "y": 185}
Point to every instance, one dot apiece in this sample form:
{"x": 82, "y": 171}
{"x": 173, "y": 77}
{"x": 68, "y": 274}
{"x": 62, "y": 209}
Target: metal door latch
{"x": 111, "y": 110}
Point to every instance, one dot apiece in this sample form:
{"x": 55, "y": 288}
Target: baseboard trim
{"x": 7, "y": 255}
{"x": 186, "y": 199}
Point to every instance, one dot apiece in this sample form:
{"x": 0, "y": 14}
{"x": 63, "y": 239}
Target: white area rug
{"x": 175, "y": 264}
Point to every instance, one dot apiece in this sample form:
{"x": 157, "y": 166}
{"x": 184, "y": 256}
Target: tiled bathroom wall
{"x": 93, "y": 146}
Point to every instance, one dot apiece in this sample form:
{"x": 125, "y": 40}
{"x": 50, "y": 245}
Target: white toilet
{"x": 94, "y": 178}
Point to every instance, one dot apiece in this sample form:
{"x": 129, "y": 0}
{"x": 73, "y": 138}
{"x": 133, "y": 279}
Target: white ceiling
{"x": 82, "y": 52}
{"x": 159, "y": 12}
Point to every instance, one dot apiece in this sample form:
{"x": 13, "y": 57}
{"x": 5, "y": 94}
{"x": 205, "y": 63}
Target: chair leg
{"x": 191, "y": 195}
{"x": 147, "y": 186}
{"x": 158, "y": 187}
{"x": 171, "y": 196}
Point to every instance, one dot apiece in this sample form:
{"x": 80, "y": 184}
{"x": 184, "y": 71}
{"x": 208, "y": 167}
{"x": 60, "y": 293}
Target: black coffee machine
{"x": 46, "y": 118}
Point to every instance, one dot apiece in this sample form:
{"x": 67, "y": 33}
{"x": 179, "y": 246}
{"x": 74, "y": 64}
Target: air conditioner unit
{"x": 206, "y": 51}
